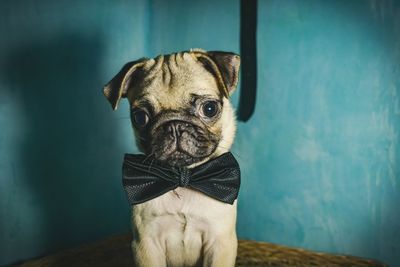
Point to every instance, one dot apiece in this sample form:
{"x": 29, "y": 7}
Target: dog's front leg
{"x": 221, "y": 253}
{"x": 147, "y": 253}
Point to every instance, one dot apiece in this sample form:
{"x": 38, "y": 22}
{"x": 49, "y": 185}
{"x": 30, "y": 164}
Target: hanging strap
{"x": 248, "y": 54}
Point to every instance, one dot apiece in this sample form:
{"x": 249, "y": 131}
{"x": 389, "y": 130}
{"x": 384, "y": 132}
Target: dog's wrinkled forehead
{"x": 170, "y": 81}
{"x": 175, "y": 77}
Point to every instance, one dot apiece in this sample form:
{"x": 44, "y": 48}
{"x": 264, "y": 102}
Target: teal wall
{"x": 60, "y": 144}
{"x": 320, "y": 157}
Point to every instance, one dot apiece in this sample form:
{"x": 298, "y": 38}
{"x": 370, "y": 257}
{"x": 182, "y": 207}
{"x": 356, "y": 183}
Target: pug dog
{"x": 181, "y": 114}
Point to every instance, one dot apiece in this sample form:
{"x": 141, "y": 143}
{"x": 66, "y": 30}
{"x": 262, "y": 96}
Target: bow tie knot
{"x": 145, "y": 179}
{"x": 183, "y": 175}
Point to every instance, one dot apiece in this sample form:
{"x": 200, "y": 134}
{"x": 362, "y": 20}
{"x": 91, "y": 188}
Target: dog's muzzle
{"x": 181, "y": 142}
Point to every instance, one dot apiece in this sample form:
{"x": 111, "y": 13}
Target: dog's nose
{"x": 175, "y": 128}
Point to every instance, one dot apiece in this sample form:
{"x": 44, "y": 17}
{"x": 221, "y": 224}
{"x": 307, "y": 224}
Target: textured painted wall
{"x": 60, "y": 145}
{"x": 319, "y": 157}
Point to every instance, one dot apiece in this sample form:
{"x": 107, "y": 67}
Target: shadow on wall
{"x": 62, "y": 158}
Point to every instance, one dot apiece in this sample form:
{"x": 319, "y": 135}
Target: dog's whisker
{"x": 151, "y": 163}
{"x": 140, "y": 138}
{"x": 148, "y": 156}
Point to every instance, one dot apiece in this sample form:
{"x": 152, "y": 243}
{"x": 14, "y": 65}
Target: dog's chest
{"x": 182, "y": 222}
{"x": 182, "y": 210}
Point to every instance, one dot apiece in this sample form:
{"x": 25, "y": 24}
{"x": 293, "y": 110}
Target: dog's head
{"x": 179, "y": 104}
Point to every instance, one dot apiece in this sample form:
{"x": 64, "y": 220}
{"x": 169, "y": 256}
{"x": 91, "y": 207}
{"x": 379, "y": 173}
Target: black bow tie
{"x": 145, "y": 179}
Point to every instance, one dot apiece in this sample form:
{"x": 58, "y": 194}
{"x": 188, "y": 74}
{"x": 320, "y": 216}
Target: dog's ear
{"x": 228, "y": 63}
{"x": 224, "y": 66}
{"x": 118, "y": 86}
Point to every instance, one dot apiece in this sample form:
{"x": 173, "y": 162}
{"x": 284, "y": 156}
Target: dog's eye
{"x": 140, "y": 117}
{"x": 210, "y": 108}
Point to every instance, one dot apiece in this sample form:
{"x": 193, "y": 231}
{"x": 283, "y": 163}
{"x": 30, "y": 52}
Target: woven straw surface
{"x": 115, "y": 252}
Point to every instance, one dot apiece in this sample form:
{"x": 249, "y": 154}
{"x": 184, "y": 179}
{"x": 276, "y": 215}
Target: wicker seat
{"x": 115, "y": 252}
